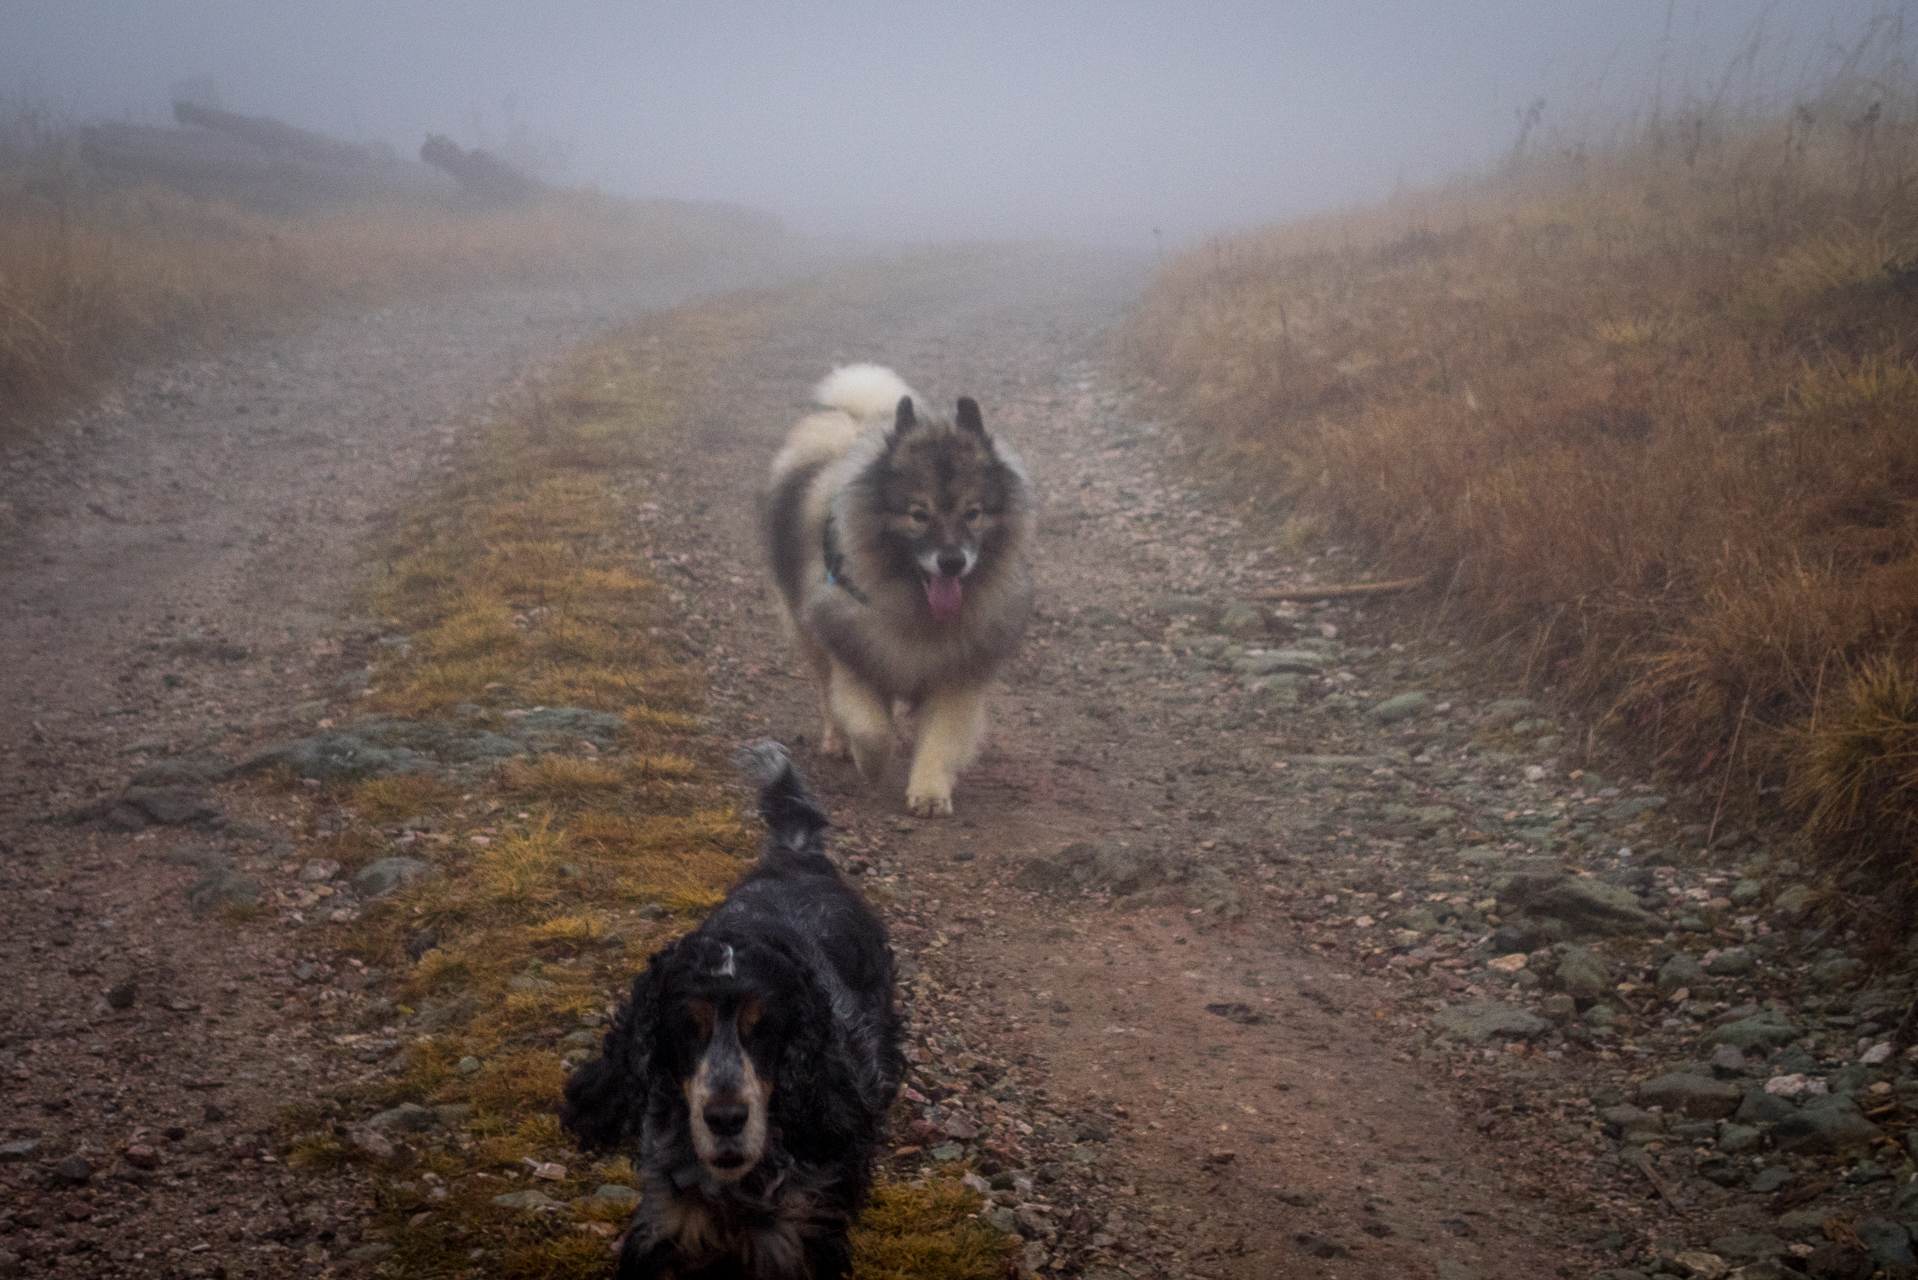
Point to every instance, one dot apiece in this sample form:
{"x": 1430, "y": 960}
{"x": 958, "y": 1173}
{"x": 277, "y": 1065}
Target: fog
{"x": 1115, "y": 122}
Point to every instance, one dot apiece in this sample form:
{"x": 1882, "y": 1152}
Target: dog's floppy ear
{"x": 969, "y": 419}
{"x": 816, "y": 1091}
{"x": 606, "y": 1098}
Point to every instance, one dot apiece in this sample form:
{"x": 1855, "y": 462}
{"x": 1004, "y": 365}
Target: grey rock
{"x": 1762, "y": 1031}
{"x": 22, "y": 1149}
{"x": 1728, "y": 1060}
{"x": 72, "y": 1171}
{"x": 1626, "y": 810}
{"x": 1748, "y": 1248}
{"x": 1837, "y": 971}
{"x": 1794, "y": 904}
{"x": 1242, "y": 621}
{"x": 1904, "y": 1205}
{"x": 1508, "y": 709}
{"x": 1588, "y": 906}
{"x": 1759, "y": 1107}
{"x": 382, "y": 877}
{"x": 1682, "y": 970}
{"x": 1746, "y": 893}
{"x": 218, "y": 887}
{"x": 193, "y": 770}
{"x": 526, "y": 1200}
{"x": 1486, "y": 1019}
{"x": 1834, "y": 1128}
{"x": 1583, "y": 974}
{"x": 469, "y": 1065}
{"x": 1888, "y": 1243}
{"x": 1769, "y": 1180}
{"x": 1401, "y": 706}
{"x": 319, "y": 871}
{"x": 1279, "y": 662}
{"x": 408, "y": 1117}
{"x": 1735, "y": 963}
{"x": 453, "y": 1114}
{"x": 614, "y": 1193}
{"x": 1699, "y": 1097}
{"x": 1738, "y": 1139}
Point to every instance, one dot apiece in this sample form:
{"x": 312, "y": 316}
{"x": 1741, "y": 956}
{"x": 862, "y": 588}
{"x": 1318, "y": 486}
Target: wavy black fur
{"x": 815, "y": 957}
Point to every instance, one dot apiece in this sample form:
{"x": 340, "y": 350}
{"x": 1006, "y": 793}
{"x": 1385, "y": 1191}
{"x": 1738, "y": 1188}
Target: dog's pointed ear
{"x": 969, "y": 418}
{"x": 903, "y": 421}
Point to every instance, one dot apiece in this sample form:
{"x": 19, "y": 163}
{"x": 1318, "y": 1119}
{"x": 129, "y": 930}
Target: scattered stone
{"x": 123, "y": 993}
{"x": 1728, "y": 1059}
{"x": 1696, "y": 1096}
{"x": 220, "y": 887}
{"x": 319, "y": 870}
{"x": 1679, "y": 971}
{"x": 1735, "y": 963}
{"x": 1767, "y": 1181}
{"x": 1488, "y": 1018}
{"x": 1706, "y": 1266}
{"x": 19, "y": 1150}
{"x": 1401, "y": 706}
{"x": 72, "y": 1171}
{"x": 1888, "y": 1243}
{"x": 408, "y": 1117}
{"x": 1589, "y": 906}
{"x": 1299, "y": 1197}
{"x": 1827, "y": 1126}
{"x": 141, "y": 1156}
{"x": 1763, "y": 1031}
{"x": 377, "y": 879}
{"x": 529, "y": 1199}
{"x": 1582, "y": 973}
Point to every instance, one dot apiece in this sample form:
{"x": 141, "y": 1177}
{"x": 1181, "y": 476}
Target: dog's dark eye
{"x": 919, "y": 515}
{"x": 973, "y": 514}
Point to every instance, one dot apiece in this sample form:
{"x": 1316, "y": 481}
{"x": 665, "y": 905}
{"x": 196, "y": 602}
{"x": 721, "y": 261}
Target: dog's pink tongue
{"x": 943, "y": 593}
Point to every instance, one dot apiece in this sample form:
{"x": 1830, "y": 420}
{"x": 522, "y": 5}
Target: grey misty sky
{"x": 1089, "y": 121}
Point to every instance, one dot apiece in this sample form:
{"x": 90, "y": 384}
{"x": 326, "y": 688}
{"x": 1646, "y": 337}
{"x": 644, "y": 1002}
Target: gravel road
{"x": 1268, "y": 937}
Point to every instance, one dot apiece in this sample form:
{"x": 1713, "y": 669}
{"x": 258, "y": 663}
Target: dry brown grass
{"x": 1643, "y": 414}
{"x": 91, "y": 274}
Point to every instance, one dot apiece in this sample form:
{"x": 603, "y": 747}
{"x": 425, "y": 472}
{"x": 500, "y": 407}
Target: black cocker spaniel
{"x": 754, "y": 1067}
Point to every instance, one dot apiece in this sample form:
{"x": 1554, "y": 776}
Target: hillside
{"x": 1639, "y": 414}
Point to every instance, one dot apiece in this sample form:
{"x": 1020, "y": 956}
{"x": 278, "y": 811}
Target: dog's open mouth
{"x": 727, "y": 1160}
{"x": 943, "y": 594}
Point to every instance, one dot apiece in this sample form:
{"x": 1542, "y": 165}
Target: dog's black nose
{"x": 952, "y": 563}
{"x": 726, "y": 1119}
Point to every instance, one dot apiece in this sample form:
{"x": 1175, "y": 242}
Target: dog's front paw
{"x": 929, "y": 804}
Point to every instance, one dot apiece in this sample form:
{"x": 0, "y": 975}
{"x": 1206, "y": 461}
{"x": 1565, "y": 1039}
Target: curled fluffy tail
{"x": 792, "y": 813}
{"x": 863, "y": 390}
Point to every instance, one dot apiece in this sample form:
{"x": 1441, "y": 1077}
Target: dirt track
{"x": 1147, "y": 910}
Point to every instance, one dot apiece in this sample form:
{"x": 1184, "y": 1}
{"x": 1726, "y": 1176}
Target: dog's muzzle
{"x": 726, "y": 1104}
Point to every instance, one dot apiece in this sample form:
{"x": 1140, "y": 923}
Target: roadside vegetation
{"x": 119, "y": 243}
{"x": 1642, "y": 415}
{"x": 521, "y": 588}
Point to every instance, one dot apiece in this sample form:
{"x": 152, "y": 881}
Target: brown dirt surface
{"x": 1200, "y": 978}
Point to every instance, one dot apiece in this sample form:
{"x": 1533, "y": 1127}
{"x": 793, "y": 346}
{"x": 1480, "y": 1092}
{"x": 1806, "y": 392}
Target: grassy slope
{"x": 93, "y": 274}
{"x": 519, "y": 585}
{"x": 1643, "y": 416}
